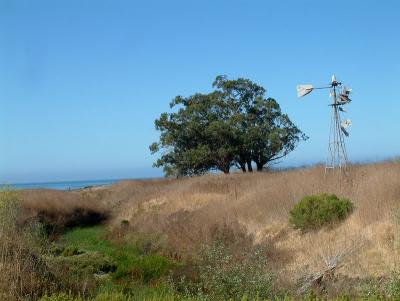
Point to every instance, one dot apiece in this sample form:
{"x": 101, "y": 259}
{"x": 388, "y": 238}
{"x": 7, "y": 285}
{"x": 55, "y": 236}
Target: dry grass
{"x": 23, "y": 271}
{"x": 59, "y": 209}
{"x": 184, "y": 213}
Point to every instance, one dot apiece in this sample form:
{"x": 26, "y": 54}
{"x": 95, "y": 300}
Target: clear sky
{"x": 81, "y": 81}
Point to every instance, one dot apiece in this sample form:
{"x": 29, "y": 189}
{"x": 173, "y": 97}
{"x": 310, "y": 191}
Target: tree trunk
{"x": 224, "y": 165}
{"x": 249, "y": 167}
{"x": 259, "y": 166}
{"x": 225, "y": 168}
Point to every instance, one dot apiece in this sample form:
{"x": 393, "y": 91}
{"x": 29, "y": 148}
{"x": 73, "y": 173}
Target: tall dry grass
{"x": 185, "y": 211}
{"x": 24, "y": 274}
{"x": 58, "y": 210}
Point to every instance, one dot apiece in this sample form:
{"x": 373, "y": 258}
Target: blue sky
{"x": 81, "y": 81}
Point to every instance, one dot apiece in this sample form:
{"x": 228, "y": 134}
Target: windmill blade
{"x": 344, "y": 98}
{"x": 346, "y": 91}
{"x": 333, "y": 82}
{"x": 303, "y": 90}
{"x": 344, "y": 131}
{"x": 345, "y": 124}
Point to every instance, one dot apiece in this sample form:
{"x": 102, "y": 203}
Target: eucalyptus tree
{"x": 235, "y": 125}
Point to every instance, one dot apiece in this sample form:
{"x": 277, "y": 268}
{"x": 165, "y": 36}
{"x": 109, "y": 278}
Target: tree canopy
{"x": 233, "y": 126}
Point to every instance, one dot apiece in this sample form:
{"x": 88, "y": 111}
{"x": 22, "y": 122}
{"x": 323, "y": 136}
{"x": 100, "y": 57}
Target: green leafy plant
{"x": 315, "y": 211}
{"x": 220, "y": 274}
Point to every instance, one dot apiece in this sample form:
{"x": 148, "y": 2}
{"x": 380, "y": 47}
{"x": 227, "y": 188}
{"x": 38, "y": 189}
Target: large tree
{"x": 234, "y": 125}
{"x": 197, "y": 137}
{"x": 267, "y": 134}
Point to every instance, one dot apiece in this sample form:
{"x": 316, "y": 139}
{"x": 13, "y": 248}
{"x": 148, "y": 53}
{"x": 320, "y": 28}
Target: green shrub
{"x": 220, "y": 274}
{"x": 315, "y": 211}
{"x": 124, "y": 223}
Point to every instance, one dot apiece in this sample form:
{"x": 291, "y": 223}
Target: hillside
{"x": 178, "y": 216}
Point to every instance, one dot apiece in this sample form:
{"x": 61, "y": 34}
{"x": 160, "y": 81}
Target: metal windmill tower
{"x": 337, "y": 154}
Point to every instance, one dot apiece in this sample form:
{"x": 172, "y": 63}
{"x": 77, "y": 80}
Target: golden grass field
{"x": 182, "y": 213}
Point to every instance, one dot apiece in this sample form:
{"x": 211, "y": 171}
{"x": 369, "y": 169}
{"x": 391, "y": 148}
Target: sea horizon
{"x": 63, "y": 185}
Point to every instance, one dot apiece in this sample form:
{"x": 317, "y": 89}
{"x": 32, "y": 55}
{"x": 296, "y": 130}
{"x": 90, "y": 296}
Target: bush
{"x": 219, "y": 274}
{"x": 124, "y": 223}
{"x": 315, "y": 211}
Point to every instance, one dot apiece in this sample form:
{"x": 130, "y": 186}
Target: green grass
{"x": 145, "y": 295}
{"x": 131, "y": 265}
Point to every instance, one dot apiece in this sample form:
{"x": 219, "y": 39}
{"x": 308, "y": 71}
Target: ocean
{"x": 64, "y": 185}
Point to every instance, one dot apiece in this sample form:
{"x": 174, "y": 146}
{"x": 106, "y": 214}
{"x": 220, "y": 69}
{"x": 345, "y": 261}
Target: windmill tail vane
{"x": 337, "y": 154}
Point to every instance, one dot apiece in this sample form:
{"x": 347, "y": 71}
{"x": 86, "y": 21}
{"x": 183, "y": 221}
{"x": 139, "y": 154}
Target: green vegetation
{"x": 220, "y": 273}
{"x": 123, "y": 260}
{"x": 234, "y": 125}
{"x": 315, "y": 211}
{"x": 142, "y": 294}
{"x": 223, "y": 274}
{"x": 83, "y": 261}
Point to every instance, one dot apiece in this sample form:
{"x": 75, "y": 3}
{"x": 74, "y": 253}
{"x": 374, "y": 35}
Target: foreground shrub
{"x": 315, "y": 211}
{"x": 222, "y": 275}
{"x": 226, "y": 276}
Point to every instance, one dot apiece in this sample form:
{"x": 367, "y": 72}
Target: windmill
{"x": 337, "y": 155}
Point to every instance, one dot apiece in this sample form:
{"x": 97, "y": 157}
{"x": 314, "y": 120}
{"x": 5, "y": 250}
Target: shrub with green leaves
{"x": 220, "y": 274}
{"x": 315, "y": 211}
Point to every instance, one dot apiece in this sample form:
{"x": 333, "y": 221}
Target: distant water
{"x": 65, "y": 185}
